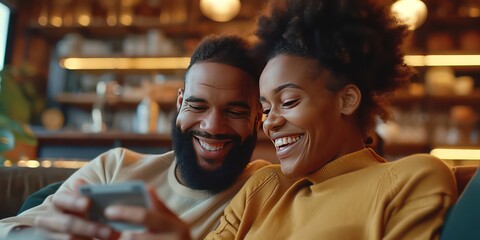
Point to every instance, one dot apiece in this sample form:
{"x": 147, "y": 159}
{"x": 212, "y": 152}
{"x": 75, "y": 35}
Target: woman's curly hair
{"x": 359, "y": 41}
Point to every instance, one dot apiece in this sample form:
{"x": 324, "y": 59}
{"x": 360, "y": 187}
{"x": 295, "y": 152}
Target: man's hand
{"x": 160, "y": 222}
{"x": 71, "y": 218}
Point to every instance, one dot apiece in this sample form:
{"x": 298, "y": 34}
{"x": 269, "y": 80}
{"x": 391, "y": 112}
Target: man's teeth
{"x": 210, "y": 147}
{"x": 286, "y": 140}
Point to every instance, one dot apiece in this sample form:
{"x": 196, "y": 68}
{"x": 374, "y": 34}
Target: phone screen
{"x": 132, "y": 193}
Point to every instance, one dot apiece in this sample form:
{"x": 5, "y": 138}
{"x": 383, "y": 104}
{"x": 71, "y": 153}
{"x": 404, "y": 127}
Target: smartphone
{"x": 131, "y": 193}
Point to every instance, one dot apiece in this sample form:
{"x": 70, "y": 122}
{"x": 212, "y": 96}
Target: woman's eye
{"x": 265, "y": 115}
{"x": 289, "y": 103}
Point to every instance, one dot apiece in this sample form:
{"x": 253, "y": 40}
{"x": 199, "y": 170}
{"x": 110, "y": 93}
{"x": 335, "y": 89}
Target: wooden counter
{"x": 83, "y": 145}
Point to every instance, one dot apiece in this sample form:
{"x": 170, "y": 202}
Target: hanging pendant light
{"x": 220, "y": 10}
{"x": 411, "y": 12}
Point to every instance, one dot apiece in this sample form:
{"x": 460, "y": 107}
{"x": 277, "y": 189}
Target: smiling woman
{"x": 330, "y": 66}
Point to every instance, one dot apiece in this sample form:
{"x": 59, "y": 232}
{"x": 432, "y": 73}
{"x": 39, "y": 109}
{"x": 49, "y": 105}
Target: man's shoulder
{"x": 127, "y": 157}
{"x": 121, "y": 161}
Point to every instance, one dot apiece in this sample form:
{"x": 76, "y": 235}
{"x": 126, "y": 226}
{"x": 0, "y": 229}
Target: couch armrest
{"x": 463, "y": 175}
{"x": 17, "y": 183}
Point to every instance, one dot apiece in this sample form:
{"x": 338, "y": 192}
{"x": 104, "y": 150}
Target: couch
{"x": 17, "y": 183}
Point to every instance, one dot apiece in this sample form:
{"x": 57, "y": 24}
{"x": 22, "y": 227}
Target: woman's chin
{"x": 288, "y": 168}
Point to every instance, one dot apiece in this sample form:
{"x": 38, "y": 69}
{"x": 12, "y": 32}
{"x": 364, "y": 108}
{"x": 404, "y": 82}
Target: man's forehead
{"x": 219, "y": 76}
{"x": 215, "y": 94}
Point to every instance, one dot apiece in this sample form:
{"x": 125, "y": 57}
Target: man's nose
{"x": 214, "y": 123}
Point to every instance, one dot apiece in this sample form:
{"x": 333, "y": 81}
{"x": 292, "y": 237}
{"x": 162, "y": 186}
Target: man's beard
{"x": 217, "y": 180}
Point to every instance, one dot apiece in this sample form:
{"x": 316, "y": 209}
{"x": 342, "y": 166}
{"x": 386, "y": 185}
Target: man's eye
{"x": 195, "y": 107}
{"x": 238, "y": 113}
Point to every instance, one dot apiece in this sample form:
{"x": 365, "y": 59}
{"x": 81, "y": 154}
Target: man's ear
{"x": 180, "y": 98}
{"x": 350, "y": 99}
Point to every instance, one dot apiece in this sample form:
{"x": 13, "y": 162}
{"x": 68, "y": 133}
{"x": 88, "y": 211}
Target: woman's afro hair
{"x": 359, "y": 41}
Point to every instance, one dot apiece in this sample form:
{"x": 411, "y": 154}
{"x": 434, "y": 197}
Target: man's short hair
{"x": 227, "y": 49}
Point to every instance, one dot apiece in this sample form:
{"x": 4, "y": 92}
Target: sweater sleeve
{"x": 424, "y": 189}
{"x": 99, "y": 170}
{"x": 240, "y": 214}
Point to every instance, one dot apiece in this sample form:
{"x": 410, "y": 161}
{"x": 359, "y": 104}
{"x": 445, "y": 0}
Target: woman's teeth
{"x": 211, "y": 147}
{"x": 286, "y": 140}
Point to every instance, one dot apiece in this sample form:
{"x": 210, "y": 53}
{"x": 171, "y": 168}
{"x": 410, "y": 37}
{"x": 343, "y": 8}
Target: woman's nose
{"x": 273, "y": 122}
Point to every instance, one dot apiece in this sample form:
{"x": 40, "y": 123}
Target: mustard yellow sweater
{"x": 358, "y": 196}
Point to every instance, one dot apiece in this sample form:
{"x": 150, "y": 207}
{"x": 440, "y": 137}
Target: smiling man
{"x": 214, "y": 134}
{"x": 216, "y": 125}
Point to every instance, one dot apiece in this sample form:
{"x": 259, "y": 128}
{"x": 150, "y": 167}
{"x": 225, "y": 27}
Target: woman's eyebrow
{"x": 286, "y": 85}
{"x": 280, "y": 88}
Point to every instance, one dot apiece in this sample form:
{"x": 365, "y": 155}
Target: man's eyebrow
{"x": 195, "y": 99}
{"x": 241, "y": 104}
{"x": 280, "y": 88}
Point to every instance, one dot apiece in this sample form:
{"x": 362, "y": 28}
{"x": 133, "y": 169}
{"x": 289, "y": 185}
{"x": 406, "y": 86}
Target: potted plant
{"x": 18, "y": 102}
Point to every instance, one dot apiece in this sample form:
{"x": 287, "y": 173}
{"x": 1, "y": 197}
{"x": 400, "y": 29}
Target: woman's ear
{"x": 180, "y": 98}
{"x": 350, "y": 99}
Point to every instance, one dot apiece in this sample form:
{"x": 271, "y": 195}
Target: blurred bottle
{"x": 462, "y": 126}
{"x": 98, "y": 110}
{"x": 147, "y": 116}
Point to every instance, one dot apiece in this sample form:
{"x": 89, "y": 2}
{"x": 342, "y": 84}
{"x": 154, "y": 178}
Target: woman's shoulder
{"x": 423, "y": 166}
{"x": 266, "y": 177}
{"x": 421, "y": 161}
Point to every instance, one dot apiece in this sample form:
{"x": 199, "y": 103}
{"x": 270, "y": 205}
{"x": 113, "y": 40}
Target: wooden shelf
{"x": 86, "y": 101}
{"x": 405, "y": 98}
{"x": 437, "y": 101}
{"x": 72, "y": 137}
{"x": 405, "y": 148}
{"x": 174, "y": 30}
{"x": 442, "y": 101}
{"x": 451, "y": 21}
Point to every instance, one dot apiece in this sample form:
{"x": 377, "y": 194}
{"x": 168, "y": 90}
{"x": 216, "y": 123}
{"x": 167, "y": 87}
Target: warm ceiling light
{"x": 220, "y": 10}
{"x": 411, "y": 12}
{"x": 56, "y": 21}
{"x": 456, "y": 154}
{"x": 442, "y": 60}
{"x": 84, "y": 20}
{"x": 125, "y": 63}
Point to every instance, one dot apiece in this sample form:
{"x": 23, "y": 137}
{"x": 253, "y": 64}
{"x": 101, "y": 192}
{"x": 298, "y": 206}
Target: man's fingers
{"x": 157, "y": 203}
{"x": 130, "y": 214}
{"x": 153, "y": 220}
{"x": 71, "y": 203}
{"x": 159, "y": 215}
{"x": 146, "y": 236}
{"x": 76, "y": 226}
{"x": 78, "y": 183}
